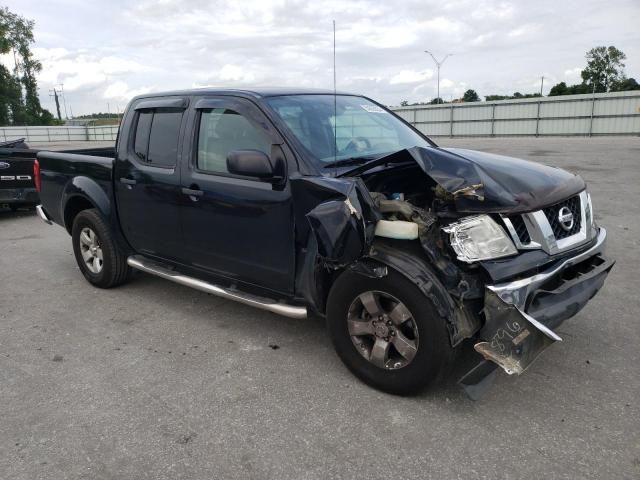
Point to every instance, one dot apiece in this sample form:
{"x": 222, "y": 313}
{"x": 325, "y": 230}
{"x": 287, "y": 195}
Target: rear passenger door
{"x": 235, "y": 226}
{"x": 147, "y": 178}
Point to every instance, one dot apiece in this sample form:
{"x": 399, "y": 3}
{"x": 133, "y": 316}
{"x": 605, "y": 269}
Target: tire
{"x": 433, "y": 353}
{"x": 111, "y": 269}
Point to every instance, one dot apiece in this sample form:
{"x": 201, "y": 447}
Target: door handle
{"x": 192, "y": 192}
{"x": 127, "y": 181}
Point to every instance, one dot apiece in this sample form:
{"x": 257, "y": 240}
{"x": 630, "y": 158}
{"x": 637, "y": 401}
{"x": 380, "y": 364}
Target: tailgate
{"x": 16, "y": 169}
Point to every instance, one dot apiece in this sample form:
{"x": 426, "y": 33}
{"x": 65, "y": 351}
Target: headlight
{"x": 479, "y": 238}
{"x": 588, "y": 210}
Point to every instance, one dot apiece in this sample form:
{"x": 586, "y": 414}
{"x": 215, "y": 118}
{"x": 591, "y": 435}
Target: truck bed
{"x": 66, "y": 174}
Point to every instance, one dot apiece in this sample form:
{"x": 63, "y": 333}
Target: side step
{"x": 149, "y": 266}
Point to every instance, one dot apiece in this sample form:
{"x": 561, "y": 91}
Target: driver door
{"x": 238, "y": 227}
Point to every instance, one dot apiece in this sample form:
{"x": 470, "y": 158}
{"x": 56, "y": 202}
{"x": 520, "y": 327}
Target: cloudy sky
{"x": 106, "y": 52}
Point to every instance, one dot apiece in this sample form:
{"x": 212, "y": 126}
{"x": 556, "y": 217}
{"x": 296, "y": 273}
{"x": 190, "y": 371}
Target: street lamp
{"x": 438, "y": 65}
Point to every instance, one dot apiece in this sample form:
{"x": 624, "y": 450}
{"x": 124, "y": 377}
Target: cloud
{"x": 499, "y": 46}
{"x": 119, "y": 90}
{"x": 573, "y": 75}
{"x": 410, "y": 76}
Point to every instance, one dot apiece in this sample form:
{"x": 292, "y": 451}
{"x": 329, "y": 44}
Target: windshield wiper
{"x": 346, "y": 162}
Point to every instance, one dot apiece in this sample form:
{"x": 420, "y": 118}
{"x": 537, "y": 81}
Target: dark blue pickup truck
{"x": 302, "y": 202}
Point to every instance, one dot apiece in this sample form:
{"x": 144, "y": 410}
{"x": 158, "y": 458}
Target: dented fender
{"x": 340, "y": 213}
{"x": 459, "y": 322}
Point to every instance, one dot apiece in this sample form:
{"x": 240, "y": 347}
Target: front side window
{"x": 344, "y": 126}
{"x": 156, "y": 140}
{"x": 222, "y": 131}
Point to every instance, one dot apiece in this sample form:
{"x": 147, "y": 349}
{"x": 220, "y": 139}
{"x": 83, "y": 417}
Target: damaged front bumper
{"x": 520, "y": 315}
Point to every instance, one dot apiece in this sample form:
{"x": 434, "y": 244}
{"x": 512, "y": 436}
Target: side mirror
{"x": 250, "y": 163}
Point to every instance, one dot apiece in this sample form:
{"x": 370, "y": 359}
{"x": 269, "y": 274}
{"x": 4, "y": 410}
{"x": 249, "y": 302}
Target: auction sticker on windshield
{"x": 373, "y": 108}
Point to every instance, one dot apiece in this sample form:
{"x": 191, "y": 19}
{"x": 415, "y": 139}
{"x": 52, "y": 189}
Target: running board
{"x": 149, "y": 266}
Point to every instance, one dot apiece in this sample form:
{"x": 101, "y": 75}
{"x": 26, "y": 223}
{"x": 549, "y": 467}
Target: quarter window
{"x": 223, "y": 131}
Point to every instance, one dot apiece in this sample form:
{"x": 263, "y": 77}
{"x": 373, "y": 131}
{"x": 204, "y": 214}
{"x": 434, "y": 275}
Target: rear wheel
{"x": 387, "y": 332}
{"x": 98, "y": 256}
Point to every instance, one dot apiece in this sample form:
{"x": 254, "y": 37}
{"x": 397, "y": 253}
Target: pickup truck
{"x": 16, "y": 175}
{"x": 312, "y": 202}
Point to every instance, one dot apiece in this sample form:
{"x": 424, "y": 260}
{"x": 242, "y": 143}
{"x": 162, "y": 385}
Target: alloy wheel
{"x": 383, "y": 330}
{"x": 91, "y": 250}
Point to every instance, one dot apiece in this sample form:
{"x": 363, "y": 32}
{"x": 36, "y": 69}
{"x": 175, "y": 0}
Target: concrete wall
{"x": 615, "y": 113}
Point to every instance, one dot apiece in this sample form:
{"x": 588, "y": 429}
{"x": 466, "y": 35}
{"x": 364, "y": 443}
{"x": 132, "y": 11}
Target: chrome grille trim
{"x": 541, "y": 232}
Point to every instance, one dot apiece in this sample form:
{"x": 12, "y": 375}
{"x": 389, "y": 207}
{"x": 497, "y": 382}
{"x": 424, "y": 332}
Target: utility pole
{"x": 541, "y": 85}
{"x": 438, "y": 65}
{"x": 64, "y": 101}
{"x": 55, "y": 96}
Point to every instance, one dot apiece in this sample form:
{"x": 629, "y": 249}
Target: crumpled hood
{"x": 485, "y": 182}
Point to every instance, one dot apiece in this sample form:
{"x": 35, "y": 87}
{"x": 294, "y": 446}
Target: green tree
{"x": 625, "y": 85}
{"x": 19, "y": 102}
{"x": 492, "y": 98}
{"x": 470, "y": 96}
{"x": 563, "y": 89}
{"x": 404, "y": 103}
{"x": 558, "y": 89}
{"x": 604, "y": 68}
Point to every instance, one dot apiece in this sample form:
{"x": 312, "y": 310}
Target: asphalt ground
{"x": 154, "y": 380}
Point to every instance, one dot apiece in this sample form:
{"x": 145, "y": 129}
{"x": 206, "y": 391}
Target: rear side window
{"x": 141, "y": 143}
{"x": 156, "y": 140}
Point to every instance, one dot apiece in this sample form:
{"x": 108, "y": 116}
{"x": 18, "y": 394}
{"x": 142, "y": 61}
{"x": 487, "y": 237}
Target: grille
{"x": 573, "y": 204}
{"x": 521, "y": 229}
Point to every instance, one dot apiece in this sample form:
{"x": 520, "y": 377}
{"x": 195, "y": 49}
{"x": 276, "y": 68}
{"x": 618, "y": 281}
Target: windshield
{"x": 363, "y": 130}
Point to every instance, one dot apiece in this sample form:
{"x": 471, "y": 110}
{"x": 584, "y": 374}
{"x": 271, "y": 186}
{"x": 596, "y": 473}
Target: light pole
{"x": 438, "y": 65}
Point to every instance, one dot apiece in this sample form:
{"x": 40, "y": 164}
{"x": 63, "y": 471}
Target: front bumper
{"x": 520, "y": 315}
{"x": 20, "y": 196}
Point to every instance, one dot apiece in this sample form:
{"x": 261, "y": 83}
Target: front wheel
{"x": 387, "y": 332}
{"x": 100, "y": 260}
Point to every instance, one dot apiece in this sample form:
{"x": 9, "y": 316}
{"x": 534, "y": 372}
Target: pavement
{"x": 153, "y": 380}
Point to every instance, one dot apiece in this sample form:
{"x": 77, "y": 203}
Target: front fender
{"x": 461, "y": 324}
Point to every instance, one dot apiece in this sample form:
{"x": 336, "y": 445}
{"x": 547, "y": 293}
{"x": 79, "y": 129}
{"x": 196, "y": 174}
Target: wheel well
{"x": 74, "y": 206}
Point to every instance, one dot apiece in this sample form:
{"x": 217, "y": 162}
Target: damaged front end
{"x": 446, "y": 220}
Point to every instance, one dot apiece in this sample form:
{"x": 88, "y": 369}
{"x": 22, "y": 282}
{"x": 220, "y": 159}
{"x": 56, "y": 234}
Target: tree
{"x": 625, "y": 85}
{"x": 436, "y": 101}
{"x": 563, "y": 89}
{"x": 19, "y": 102}
{"x": 558, "y": 89}
{"x": 404, "y": 103}
{"x": 492, "y": 98}
{"x": 470, "y": 96}
{"x": 604, "y": 68}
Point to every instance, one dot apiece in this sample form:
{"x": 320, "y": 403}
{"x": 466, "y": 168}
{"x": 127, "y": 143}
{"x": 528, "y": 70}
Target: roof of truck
{"x": 257, "y": 92}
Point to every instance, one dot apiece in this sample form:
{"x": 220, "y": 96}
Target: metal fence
{"x": 60, "y": 134}
{"x": 616, "y": 113}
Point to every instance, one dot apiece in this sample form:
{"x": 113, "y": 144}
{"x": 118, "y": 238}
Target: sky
{"x": 104, "y": 53}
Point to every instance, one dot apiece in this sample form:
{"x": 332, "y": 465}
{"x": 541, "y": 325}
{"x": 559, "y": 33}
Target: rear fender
{"x": 89, "y": 190}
